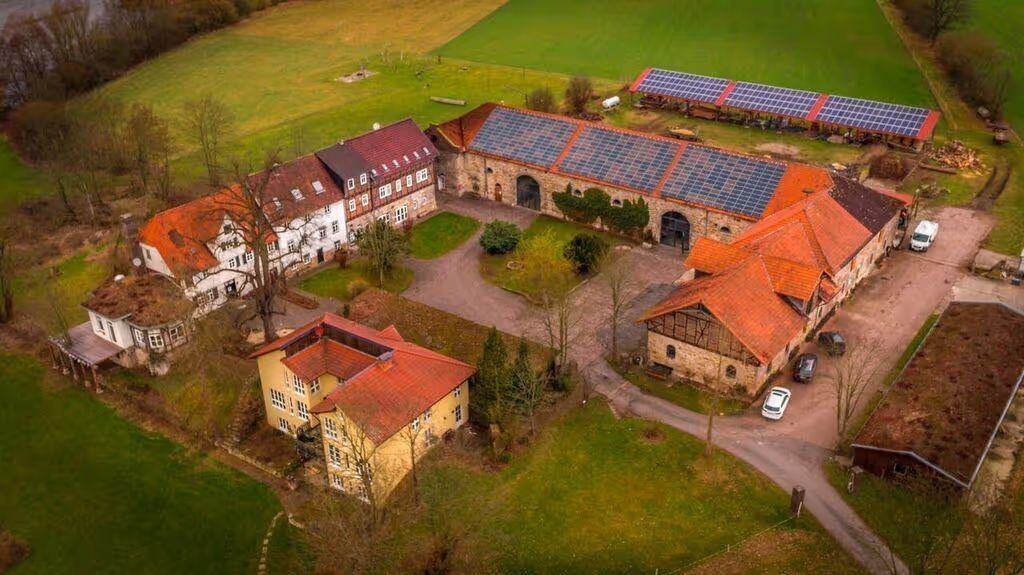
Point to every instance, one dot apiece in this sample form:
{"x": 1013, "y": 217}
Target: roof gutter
{"x": 995, "y": 431}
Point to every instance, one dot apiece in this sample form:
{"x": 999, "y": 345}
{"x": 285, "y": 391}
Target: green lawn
{"x": 277, "y": 71}
{"x": 801, "y": 45}
{"x": 91, "y": 493}
{"x": 41, "y": 289}
{"x": 18, "y": 182}
{"x": 683, "y": 394}
{"x": 1001, "y": 22}
{"x": 494, "y": 268}
{"x": 596, "y": 494}
{"x": 334, "y": 282}
{"x": 441, "y": 234}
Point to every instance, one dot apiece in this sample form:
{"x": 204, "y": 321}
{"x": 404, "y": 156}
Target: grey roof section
{"x": 872, "y": 209}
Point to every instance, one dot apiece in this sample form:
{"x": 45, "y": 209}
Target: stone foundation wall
{"x": 702, "y": 366}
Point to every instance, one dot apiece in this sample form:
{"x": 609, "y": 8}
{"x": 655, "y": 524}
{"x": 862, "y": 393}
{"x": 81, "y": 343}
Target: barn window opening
{"x": 725, "y": 230}
{"x": 578, "y": 193}
{"x": 670, "y": 351}
{"x": 900, "y": 468}
{"x": 617, "y": 203}
{"x": 490, "y": 170}
{"x": 730, "y": 372}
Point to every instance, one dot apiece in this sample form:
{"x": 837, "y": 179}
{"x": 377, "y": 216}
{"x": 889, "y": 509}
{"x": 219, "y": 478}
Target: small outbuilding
{"x": 941, "y": 416}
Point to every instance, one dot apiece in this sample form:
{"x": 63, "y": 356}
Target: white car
{"x": 924, "y": 236}
{"x": 775, "y": 404}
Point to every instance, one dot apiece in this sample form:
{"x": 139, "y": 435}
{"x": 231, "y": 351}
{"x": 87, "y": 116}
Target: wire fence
{"x": 725, "y": 549}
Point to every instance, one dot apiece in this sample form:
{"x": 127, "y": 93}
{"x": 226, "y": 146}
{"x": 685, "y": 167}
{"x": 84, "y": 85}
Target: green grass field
{"x": 834, "y": 47}
{"x": 683, "y": 394}
{"x": 1001, "y": 22}
{"x": 278, "y": 71}
{"x": 334, "y": 283}
{"x": 18, "y": 182}
{"x": 440, "y": 234}
{"x": 92, "y": 493}
{"x": 600, "y": 495}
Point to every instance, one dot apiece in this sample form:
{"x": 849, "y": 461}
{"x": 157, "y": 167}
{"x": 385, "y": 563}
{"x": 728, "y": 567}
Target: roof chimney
{"x": 386, "y": 360}
{"x": 130, "y": 233}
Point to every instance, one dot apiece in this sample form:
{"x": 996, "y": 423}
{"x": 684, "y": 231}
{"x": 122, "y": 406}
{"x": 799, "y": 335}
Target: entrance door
{"x": 320, "y": 255}
{"x": 675, "y": 230}
{"x": 528, "y": 193}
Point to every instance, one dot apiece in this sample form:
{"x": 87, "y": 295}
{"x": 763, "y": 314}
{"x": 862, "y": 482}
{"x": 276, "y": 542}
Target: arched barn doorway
{"x": 675, "y": 230}
{"x": 528, "y": 193}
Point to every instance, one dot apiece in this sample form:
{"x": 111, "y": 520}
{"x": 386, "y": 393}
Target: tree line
{"x": 64, "y": 51}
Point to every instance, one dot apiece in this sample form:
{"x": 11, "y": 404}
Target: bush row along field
{"x": 832, "y": 47}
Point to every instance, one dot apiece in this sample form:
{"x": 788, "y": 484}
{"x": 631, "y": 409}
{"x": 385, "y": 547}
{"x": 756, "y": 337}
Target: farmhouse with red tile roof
{"x": 361, "y": 391}
{"x": 747, "y": 305}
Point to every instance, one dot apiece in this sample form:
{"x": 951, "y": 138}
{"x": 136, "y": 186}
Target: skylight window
{"x": 406, "y": 158}
{"x": 297, "y": 194}
{"x": 426, "y": 152}
{"x": 277, "y": 203}
{"x": 417, "y": 154}
{"x": 395, "y": 162}
{"x": 318, "y": 187}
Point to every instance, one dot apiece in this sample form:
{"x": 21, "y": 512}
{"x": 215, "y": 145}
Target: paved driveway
{"x": 886, "y": 310}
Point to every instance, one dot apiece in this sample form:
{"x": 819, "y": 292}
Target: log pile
{"x": 956, "y": 155}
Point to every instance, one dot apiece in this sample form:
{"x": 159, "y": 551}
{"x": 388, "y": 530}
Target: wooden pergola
{"x": 80, "y": 353}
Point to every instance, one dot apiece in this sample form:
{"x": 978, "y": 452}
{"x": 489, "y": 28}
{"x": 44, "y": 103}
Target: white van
{"x": 924, "y": 236}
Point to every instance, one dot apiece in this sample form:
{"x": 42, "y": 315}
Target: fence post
{"x": 796, "y": 501}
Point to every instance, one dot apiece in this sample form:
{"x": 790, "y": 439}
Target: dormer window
{"x": 297, "y": 194}
{"x": 417, "y": 154}
{"x": 385, "y": 167}
{"x": 395, "y": 162}
{"x": 406, "y": 158}
{"x": 318, "y": 187}
{"x": 373, "y": 173}
{"x": 426, "y": 152}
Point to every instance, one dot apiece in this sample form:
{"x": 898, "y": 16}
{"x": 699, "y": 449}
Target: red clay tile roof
{"x": 181, "y": 234}
{"x": 743, "y": 299}
{"x": 797, "y": 183}
{"x": 398, "y": 146}
{"x": 384, "y": 396}
{"x": 328, "y": 356}
{"x": 461, "y": 131}
{"x": 789, "y": 253}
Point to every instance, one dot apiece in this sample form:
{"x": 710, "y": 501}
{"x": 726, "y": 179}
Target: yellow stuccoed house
{"x": 376, "y": 401}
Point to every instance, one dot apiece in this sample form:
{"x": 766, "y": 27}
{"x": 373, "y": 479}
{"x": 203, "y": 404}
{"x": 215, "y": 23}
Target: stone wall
{"x": 702, "y": 366}
{"x": 496, "y": 180}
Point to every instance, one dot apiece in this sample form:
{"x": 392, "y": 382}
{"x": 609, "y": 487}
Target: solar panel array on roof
{"x": 623, "y": 159}
{"x": 761, "y": 98}
{"x": 524, "y": 137}
{"x": 724, "y": 181}
{"x": 682, "y": 85}
{"x": 875, "y": 116}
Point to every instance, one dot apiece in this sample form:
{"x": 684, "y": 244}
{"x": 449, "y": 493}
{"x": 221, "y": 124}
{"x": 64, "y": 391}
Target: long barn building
{"x": 521, "y": 157}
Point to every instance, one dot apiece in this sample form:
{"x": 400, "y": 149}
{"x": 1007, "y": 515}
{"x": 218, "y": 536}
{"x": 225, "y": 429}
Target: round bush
{"x": 500, "y": 237}
{"x": 585, "y": 251}
{"x": 356, "y": 287}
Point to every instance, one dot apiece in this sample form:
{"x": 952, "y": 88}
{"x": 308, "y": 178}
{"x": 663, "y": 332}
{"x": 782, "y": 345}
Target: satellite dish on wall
{"x": 136, "y": 262}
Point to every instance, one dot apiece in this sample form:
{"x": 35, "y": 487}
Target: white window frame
{"x": 408, "y": 181}
{"x": 337, "y": 244}
{"x": 303, "y": 411}
{"x": 284, "y": 425}
{"x": 297, "y": 386}
{"x": 384, "y": 191}
{"x": 334, "y": 456}
{"x": 422, "y": 175}
{"x": 351, "y": 183}
{"x": 362, "y": 179}
{"x": 314, "y": 386}
{"x": 322, "y": 232}
{"x": 307, "y": 258}
{"x": 277, "y": 399}
{"x": 415, "y": 425}
{"x": 352, "y": 205}
{"x": 458, "y": 392}
{"x": 401, "y": 214}
{"x": 398, "y": 185}
{"x": 366, "y": 200}
{"x": 337, "y": 482}
{"x": 458, "y": 414}
{"x": 330, "y": 428}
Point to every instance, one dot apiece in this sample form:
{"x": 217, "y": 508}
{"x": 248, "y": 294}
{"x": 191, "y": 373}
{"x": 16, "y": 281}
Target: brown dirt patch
{"x": 782, "y": 550}
{"x": 950, "y": 398}
{"x": 12, "y": 551}
{"x": 779, "y": 149}
{"x": 653, "y": 435}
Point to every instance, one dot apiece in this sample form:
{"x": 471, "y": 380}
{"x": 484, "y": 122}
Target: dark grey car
{"x": 804, "y": 368}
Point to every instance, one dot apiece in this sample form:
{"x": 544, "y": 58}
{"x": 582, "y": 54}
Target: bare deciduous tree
{"x": 943, "y": 15}
{"x": 256, "y": 222}
{"x": 621, "y": 290}
{"x": 849, "y": 379}
{"x": 149, "y": 143}
{"x": 209, "y": 121}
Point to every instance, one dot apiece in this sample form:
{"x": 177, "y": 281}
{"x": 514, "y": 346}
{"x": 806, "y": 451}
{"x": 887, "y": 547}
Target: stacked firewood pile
{"x": 956, "y": 155}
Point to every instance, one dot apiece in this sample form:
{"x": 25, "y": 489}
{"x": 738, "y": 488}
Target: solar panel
{"x": 760, "y": 98}
{"x": 618, "y": 158}
{"x": 736, "y": 184}
{"x": 682, "y": 85}
{"x": 523, "y": 137}
{"x": 873, "y": 116}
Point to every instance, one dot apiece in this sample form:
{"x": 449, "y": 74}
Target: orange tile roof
{"x": 743, "y": 299}
{"x": 328, "y": 356}
{"x": 389, "y": 391}
{"x": 181, "y": 234}
{"x": 788, "y": 277}
{"x": 798, "y": 181}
